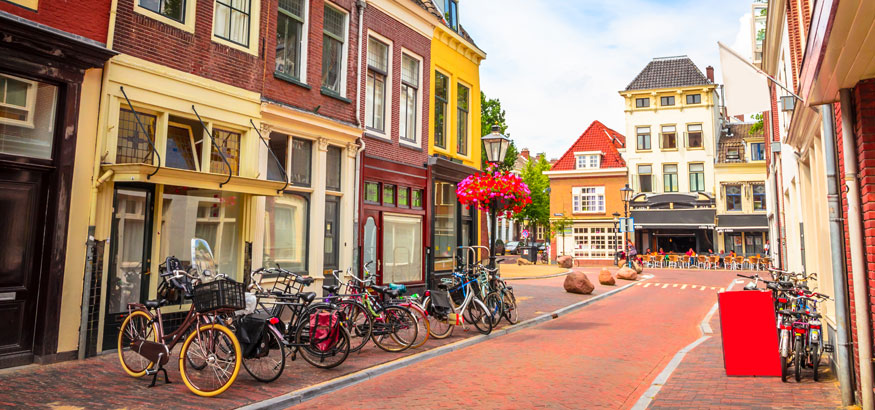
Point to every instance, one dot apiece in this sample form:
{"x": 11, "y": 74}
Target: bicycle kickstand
{"x": 154, "y": 372}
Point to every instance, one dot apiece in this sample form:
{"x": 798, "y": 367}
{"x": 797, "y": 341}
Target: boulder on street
{"x": 605, "y": 277}
{"x": 523, "y": 261}
{"x": 627, "y": 273}
{"x": 565, "y": 261}
{"x": 577, "y": 282}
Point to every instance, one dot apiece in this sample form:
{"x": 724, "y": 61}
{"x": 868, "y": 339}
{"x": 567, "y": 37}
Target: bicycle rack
{"x": 154, "y": 372}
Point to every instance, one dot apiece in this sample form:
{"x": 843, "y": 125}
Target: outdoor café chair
{"x": 728, "y": 262}
{"x": 703, "y": 262}
{"x": 739, "y": 262}
{"x": 687, "y": 261}
{"x": 753, "y": 262}
{"x": 672, "y": 261}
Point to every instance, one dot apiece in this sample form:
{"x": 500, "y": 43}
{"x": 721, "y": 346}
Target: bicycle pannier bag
{"x": 252, "y": 334}
{"x": 441, "y": 302}
{"x": 324, "y": 330}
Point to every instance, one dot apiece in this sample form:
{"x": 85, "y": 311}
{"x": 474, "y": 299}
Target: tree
{"x": 538, "y": 212}
{"x": 491, "y": 113}
{"x": 559, "y": 226}
{"x": 757, "y": 126}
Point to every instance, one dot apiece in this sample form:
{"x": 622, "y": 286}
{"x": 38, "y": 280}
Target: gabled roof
{"x": 732, "y": 138}
{"x": 429, "y": 6}
{"x": 668, "y": 72}
{"x": 597, "y": 137}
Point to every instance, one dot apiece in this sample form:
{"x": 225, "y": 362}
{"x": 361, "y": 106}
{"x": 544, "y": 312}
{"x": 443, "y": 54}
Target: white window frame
{"x": 305, "y": 42}
{"x": 344, "y": 50}
{"x": 254, "y": 29}
{"x": 590, "y": 195}
{"x": 387, "y": 104}
{"x": 188, "y": 15}
{"x": 28, "y": 104}
{"x": 584, "y": 160}
{"x": 417, "y": 143}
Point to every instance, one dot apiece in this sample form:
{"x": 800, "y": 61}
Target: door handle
{"x": 379, "y": 264}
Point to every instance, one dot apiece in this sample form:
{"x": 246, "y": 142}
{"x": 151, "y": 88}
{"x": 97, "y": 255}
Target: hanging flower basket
{"x": 506, "y": 191}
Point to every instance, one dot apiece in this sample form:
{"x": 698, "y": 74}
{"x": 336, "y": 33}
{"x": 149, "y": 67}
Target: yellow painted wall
{"x": 77, "y": 229}
{"x": 461, "y": 63}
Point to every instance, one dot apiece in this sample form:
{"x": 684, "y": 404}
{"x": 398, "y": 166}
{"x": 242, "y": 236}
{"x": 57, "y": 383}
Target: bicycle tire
{"x": 390, "y": 321}
{"x": 316, "y": 357}
{"x": 423, "y": 327}
{"x": 798, "y": 358}
{"x": 136, "y": 365}
{"x": 274, "y": 370}
{"x": 358, "y": 322}
{"x": 477, "y": 314}
{"x": 437, "y": 328}
{"x": 510, "y": 310}
{"x": 495, "y": 306}
{"x": 815, "y": 361}
{"x": 215, "y": 336}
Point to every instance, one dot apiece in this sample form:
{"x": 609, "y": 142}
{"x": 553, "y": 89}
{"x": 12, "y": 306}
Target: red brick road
{"x": 602, "y": 356}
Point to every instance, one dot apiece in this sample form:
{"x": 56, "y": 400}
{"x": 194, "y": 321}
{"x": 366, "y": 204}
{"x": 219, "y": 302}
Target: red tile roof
{"x": 597, "y": 137}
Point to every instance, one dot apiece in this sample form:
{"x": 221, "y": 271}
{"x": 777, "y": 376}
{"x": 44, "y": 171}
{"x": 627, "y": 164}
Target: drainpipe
{"x": 840, "y": 279}
{"x": 360, "y": 5}
{"x": 357, "y": 202}
{"x": 858, "y": 252}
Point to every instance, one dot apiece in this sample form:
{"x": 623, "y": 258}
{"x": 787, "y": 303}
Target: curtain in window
{"x": 286, "y": 231}
{"x": 402, "y": 248}
{"x": 290, "y": 23}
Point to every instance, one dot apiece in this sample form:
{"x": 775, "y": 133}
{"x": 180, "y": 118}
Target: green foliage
{"x": 558, "y": 227}
{"x": 538, "y": 212}
{"x": 757, "y": 127}
{"x": 491, "y": 113}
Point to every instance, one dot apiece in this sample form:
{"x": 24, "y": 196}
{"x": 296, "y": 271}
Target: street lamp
{"x": 616, "y": 216}
{"x": 495, "y": 145}
{"x": 627, "y": 197}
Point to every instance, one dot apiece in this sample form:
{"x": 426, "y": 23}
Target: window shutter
{"x": 660, "y": 140}
{"x": 687, "y": 139}
{"x": 635, "y": 183}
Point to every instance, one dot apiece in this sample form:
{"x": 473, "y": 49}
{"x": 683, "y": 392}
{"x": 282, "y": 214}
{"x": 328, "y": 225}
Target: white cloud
{"x": 557, "y": 65}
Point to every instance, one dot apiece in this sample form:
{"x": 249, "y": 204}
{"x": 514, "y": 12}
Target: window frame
{"x": 638, "y": 139}
{"x": 739, "y": 195}
{"x": 29, "y": 103}
{"x": 417, "y": 89}
{"x": 587, "y": 160}
{"x": 592, "y": 196}
{"x": 291, "y": 149}
{"x": 372, "y": 71}
{"x": 645, "y": 100}
{"x": 649, "y": 175}
{"x": 339, "y": 150}
{"x": 187, "y": 24}
{"x": 675, "y": 180}
{"x": 664, "y": 98}
{"x": 701, "y": 136}
{"x": 394, "y": 188}
{"x": 662, "y": 133}
{"x": 344, "y": 51}
{"x": 695, "y": 96}
{"x": 467, "y": 128}
{"x": 254, "y": 24}
{"x": 762, "y": 151}
{"x": 365, "y": 193}
{"x": 701, "y": 174}
{"x": 303, "y": 44}
{"x": 758, "y": 197}
{"x": 445, "y": 101}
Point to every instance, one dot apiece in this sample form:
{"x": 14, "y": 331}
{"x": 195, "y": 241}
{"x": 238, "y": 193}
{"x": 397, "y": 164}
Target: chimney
{"x": 525, "y": 153}
{"x": 709, "y": 71}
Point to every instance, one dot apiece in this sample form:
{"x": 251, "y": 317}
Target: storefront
{"x": 744, "y": 234}
{"x": 674, "y": 223}
{"x": 454, "y": 225}
{"x": 45, "y": 76}
{"x": 593, "y": 241}
{"x": 394, "y": 222}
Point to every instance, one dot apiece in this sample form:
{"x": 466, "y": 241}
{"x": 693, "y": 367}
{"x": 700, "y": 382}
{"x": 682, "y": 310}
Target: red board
{"x": 750, "y": 336}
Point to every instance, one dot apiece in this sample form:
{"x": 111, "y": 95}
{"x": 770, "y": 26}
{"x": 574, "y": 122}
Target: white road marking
{"x": 665, "y": 286}
{"x": 683, "y": 287}
{"x": 646, "y": 285}
{"x": 675, "y": 285}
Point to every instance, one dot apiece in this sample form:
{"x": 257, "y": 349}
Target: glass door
{"x": 371, "y": 244}
{"x": 130, "y": 247}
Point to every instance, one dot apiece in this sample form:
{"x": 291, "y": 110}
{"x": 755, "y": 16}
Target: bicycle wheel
{"x": 395, "y": 329}
{"x": 218, "y": 347}
{"x": 496, "y": 310}
{"x": 511, "y": 313}
{"x": 269, "y": 360}
{"x": 478, "y": 314}
{"x": 438, "y": 327}
{"x": 358, "y": 323}
{"x": 422, "y": 325}
{"x": 135, "y": 327}
{"x": 323, "y": 359}
{"x": 798, "y": 357}
{"x": 815, "y": 361}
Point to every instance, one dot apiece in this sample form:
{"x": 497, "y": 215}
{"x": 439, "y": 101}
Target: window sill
{"x": 643, "y": 150}
{"x": 695, "y": 148}
{"x": 410, "y": 146}
{"x": 289, "y": 79}
{"x": 668, "y": 149}
{"x": 328, "y": 93}
{"x": 377, "y": 136}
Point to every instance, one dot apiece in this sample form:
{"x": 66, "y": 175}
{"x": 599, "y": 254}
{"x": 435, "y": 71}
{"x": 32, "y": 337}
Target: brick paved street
{"x": 602, "y": 356}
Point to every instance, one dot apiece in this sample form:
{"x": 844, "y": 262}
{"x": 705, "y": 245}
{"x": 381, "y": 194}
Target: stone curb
{"x": 311, "y": 392}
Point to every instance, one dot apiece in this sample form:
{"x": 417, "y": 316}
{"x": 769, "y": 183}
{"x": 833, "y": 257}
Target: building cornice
{"x": 774, "y": 34}
{"x": 456, "y": 42}
{"x": 593, "y": 172}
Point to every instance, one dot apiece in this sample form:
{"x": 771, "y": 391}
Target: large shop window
{"x": 285, "y": 232}
{"x": 409, "y": 97}
{"x": 402, "y": 248}
{"x": 333, "y": 39}
{"x": 595, "y": 242}
{"x": 27, "y": 117}
{"x": 444, "y": 225}
{"x": 289, "y": 34}
{"x": 232, "y": 21}
{"x": 441, "y": 99}
{"x": 753, "y": 243}
{"x": 332, "y": 232}
{"x": 375, "y": 97}
{"x": 130, "y": 223}
{"x": 198, "y": 213}
{"x": 733, "y": 242}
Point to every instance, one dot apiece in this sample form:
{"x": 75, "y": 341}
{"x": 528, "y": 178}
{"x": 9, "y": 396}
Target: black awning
{"x": 743, "y": 222}
{"x": 675, "y": 218}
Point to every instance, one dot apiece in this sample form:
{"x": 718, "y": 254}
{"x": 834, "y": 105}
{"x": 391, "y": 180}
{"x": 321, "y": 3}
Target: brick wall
{"x": 794, "y": 31}
{"x": 401, "y": 36}
{"x": 195, "y": 53}
{"x": 308, "y": 99}
{"x": 87, "y": 18}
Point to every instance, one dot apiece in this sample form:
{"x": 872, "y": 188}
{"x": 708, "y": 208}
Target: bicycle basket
{"x": 218, "y": 295}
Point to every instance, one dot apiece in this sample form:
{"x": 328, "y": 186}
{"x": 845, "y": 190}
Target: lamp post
{"x": 616, "y": 216}
{"x": 627, "y": 197}
{"x": 495, "y": 145}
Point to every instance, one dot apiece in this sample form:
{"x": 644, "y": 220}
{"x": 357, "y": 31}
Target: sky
{"x": 557, "y": 65}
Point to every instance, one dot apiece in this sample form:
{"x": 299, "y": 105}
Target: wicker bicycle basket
{"x": 218, "y": 295}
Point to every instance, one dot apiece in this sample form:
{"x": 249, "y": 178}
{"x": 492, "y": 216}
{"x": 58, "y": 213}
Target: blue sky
{"x": 557, "y": 65}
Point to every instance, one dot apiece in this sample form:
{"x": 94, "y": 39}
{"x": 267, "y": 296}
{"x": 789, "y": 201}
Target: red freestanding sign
{"x": 750, "y": 336}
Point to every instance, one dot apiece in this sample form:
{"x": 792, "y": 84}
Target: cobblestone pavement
{"x": 99, "y": 382}
{"x": 602, "y": 356}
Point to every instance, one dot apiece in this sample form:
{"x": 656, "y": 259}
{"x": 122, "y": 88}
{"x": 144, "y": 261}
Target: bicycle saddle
{"x": 398, "y": 287}
{"x": 308, "y": 296}
{"x": 155, "y": 304}
{"x": 304, "y": 280}
{"x": 387, "y": 291}
{"x": 333, "y": 289}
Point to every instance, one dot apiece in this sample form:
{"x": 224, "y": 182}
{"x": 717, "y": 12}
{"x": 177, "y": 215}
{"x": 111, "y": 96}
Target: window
{"x": 694, "y": 136}
{"x": 332, "y": 234}
{"x": 643, "y": 138}
{"x": 753, "y": 243}
{"x": 388, "y": 195}
{"x": 402, "y": 248}
{"x": 403, "y": 197}
{"x": 666, "y": 101}
{"x": 462, "y": 120}
{"x": 588, "y": 199}
{"x": 416, "y": 198}
{"x": 372, "y": 192}
{"x": 759, "y": 197}
{"x": 697, "y": 177}
{"x": 733, "y": 243}
{"x": 444, "y": 225}
{"x": 670, "y": 177}
{"x": 645, "y": 178}
{"x": 228, "y": 143}
{"x": 375, "y": 99}
{"x": 182, "y": 151}
{"x": 409, "y": 98}
{"x": 642, "y": 102}
{"x": 758, "y": 151}
{"x": 286, "y": 232}
{"x": 595, "y": 242}
{"x": 132, "y": 147}
{"x": 451, "y": 13}
{"x": 732, "y": 154}
{"x": 441, "y": 97}
{"x": 333, "y": 168}
{"x": 279, "y": 145}
{"x": 290, "y": 38}
{"x": 27, "y": 117}
{"x": 231, "y": 21}
{"x": 173, "y": 9}
{"x": 302, "y": 156}
{"x": 694, "y": 99}
{"x": 588, "y": 161}
{"x": 669, "y": 137}
{"x": 733, "y": 197}
{"x": 333, "y": 39}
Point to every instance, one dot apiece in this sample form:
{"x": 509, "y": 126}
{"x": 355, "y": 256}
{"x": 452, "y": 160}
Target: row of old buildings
{"x": 312, "y": 134}
{"x": 694, "y": 177}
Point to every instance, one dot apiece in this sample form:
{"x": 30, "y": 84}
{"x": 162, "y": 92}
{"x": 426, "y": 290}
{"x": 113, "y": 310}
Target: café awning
{"x": 743, "y": 223}
{"x": 674, "y": 218}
